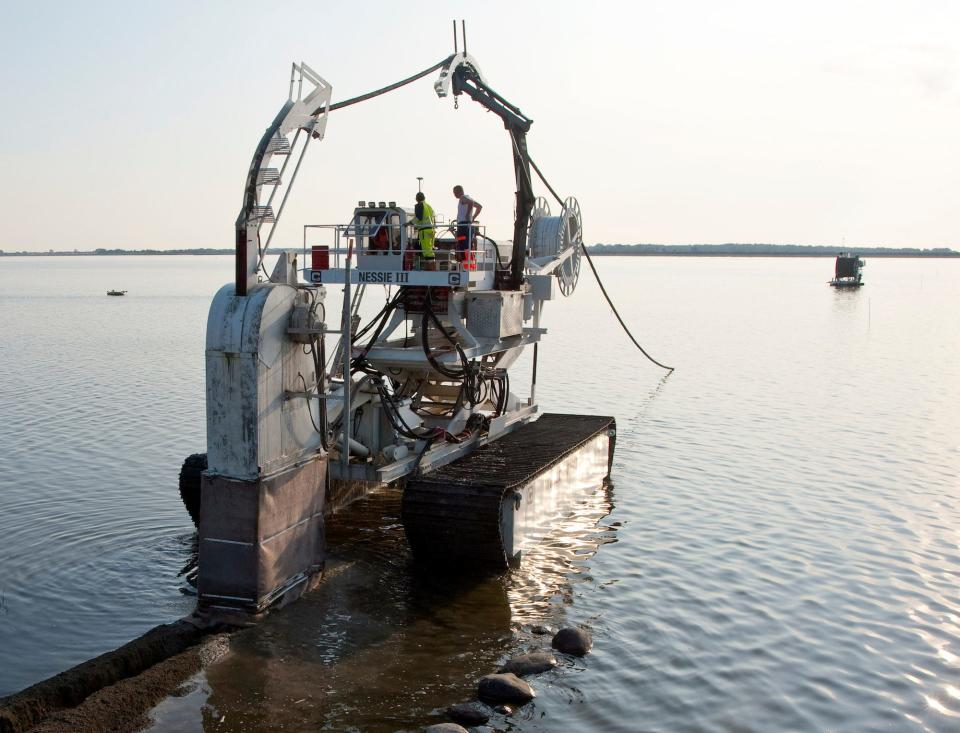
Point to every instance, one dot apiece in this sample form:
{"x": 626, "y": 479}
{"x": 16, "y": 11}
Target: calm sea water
{"x": 778, "y": 549}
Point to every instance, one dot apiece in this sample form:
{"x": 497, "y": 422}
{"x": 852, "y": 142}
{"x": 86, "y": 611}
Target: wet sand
{"x": 115, "y": 689}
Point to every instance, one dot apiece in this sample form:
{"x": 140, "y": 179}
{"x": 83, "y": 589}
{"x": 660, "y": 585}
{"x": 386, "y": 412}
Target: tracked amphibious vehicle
{"x": 419, "y": 394}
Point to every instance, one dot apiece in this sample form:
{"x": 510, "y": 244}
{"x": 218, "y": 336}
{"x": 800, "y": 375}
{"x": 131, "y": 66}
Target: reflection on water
{"x": 542, "y": 589}
{"x": 383, "y": 642}
{"x": 848, "y": 300}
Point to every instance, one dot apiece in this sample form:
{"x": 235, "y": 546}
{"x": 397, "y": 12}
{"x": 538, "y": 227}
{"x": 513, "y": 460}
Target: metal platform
{"x": 846, "y": 283}
{"x": 485, "y": 508}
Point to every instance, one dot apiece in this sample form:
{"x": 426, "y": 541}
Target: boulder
{"x": 467, "y": 714}
{"x": 574, "y": 641}
{"x": 532, "y": 663}
{"x": 504, "y": 688}
{"x": 542, "y": 630}
{"x": 503, "y": 710}
{"x": 445, "y": 728}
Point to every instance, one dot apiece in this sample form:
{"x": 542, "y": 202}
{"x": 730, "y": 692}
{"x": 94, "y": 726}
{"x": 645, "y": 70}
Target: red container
{"x": 320, "y": 257}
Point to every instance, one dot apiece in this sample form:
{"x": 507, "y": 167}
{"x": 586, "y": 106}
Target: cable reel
{"x": 541, "y": 208}
{"x": 552, "y": 236}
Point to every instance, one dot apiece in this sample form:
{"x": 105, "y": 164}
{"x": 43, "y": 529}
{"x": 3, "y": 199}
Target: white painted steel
{"x": 555, "y": 245}
{"x": 301, "y": 114}
{"x": 444, "y": 453}
{"x": 569, "y": 272}
{"x": 541, "y": 208}
{"x": 441, "y": 278}
{"x": 442, "y": 85}
{"x": 252, "y": 430}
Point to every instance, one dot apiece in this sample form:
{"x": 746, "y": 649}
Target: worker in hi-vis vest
{"x": 424, "y": 222}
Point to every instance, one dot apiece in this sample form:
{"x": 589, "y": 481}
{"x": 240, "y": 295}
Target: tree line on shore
{"x": 765, "y": 250}
{"x": 696, "y": 250}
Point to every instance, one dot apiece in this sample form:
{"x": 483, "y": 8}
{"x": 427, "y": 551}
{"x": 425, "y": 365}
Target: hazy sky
{"x": 132, "y": 124}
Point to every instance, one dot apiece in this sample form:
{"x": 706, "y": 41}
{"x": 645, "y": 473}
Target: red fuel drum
{"x": 320, "y": 257}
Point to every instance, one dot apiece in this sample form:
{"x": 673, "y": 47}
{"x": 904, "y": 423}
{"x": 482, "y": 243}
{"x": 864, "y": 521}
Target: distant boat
{"x": 846, "y": 272}
{"x": 116, "y": 292}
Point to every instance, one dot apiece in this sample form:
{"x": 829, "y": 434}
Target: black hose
{"x": 614, "y": 309}
{"x": 428, "y": 442}
{"x": 396, "y": 419}
{"x": 383, "y": 90}
{"x": 496, "y": 249}
{"x": 597, "y": 276}
{"x": 390, "y": 305}
{"x": 429, "y": 315}
{"x": 320, "y": 362}
{"x": 384, "y": 317}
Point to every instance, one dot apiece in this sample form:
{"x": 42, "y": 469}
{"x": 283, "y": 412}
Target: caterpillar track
{"x": 460, "y": 514}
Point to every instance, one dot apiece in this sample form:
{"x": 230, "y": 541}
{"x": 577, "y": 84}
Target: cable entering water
{"x": 597, "y": 275}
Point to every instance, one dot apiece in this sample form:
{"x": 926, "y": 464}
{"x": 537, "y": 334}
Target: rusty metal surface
{"x": 452, "y": 515}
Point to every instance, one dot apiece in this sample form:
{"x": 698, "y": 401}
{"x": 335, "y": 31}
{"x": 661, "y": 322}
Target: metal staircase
{"x": 302, "y": 113}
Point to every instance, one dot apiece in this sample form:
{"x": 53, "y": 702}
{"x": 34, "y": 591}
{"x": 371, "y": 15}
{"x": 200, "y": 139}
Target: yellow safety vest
{"x": 425, "y": 228}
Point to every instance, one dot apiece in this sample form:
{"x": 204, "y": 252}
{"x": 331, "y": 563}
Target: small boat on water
{"x": 116, "y": 292}
{"x": 846, "y": 272}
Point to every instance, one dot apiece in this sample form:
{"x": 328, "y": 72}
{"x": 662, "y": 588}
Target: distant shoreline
{"x": 597, "y": 250}
{"x": 916, "y": 255}
{"x": 761, "y": 250}
{"x": 129, "y": 253}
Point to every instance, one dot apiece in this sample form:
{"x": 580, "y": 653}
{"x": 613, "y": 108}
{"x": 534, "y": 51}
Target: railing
{"x": 398, "y": 252}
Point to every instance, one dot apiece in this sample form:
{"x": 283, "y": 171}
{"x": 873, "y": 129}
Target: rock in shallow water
{"x": 532, "y": 663}
{"x": 498, "y": 688}
{"x": 445, "y": 728}
{"x": 573, "y": 641}
{"x": 541, "y": 630}
{"x": 467, "y": 714}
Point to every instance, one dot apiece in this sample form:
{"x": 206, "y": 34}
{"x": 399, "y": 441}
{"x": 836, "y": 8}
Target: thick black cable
{"x": 597, "y": 276}
{"x": 388, "y": 307}
{"x": 613, "y": 308}
{"x": 380, "y": 321}
{"x": 429, "y": 315}
{"x": 320, "y": 362}
{"x": 427, "y": 444}
{"x": 496, "y": 250}
{"x": 383, "y": 90}
{"x": 396, "y": 419}
{"x": 542, "y": 178}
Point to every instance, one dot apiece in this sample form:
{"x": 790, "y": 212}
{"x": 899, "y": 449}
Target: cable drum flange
{"x": 541, "y": 208}
{"x": 570, "y": 270}
{"x": 552, "y": 236}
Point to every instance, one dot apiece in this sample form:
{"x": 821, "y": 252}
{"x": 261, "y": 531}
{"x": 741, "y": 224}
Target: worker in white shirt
{"x": 468, "y": 210}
